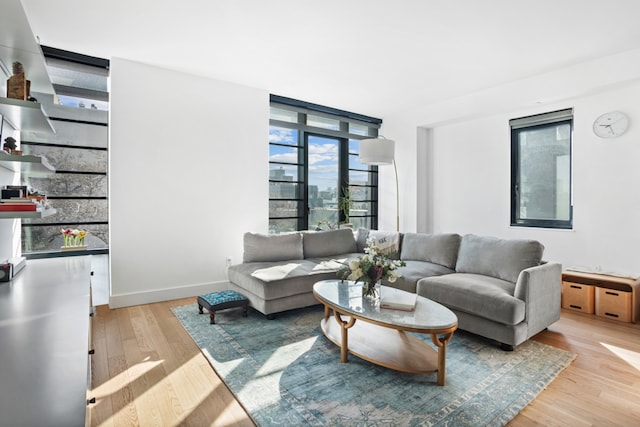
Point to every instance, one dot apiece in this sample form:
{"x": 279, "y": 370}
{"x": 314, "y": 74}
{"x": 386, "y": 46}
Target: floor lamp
{"x": 381, "y": 151}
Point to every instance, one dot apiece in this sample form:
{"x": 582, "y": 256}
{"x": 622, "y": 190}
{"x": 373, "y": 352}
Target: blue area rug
{"x": 286, "y": 373}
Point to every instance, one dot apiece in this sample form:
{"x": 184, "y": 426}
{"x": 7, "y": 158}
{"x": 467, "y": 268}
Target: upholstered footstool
{"x": 215, "y": 301}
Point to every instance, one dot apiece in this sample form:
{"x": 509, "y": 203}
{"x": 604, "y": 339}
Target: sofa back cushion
{"x": 502, "y": 259}
{"x": 272, "y": 247}
{"x": 441, "y": 249}
{"x": 328, "y": 243}
{"x": 361, "y": 238}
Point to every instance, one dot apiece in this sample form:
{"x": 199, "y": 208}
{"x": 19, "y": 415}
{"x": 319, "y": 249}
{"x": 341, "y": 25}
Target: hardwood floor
{"x": 147, "y": 371}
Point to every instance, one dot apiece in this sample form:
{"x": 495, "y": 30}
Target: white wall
{"x": 404, "y": 134}
{"x": 470, "y": 171}
{"x": 188, "y": 175}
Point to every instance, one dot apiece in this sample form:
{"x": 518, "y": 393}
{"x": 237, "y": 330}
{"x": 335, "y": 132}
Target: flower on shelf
{"x": 73, "y": 238}
{"x": 374, "y": 266}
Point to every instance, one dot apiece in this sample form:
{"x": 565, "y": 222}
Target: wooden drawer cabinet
{"x": 613, "y": 304}
{"x": 579, "y": 297}
{"x": 613, "y": 297}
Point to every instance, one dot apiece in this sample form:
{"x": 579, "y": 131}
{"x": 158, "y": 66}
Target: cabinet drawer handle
{"x": 611, "y": 314}
{"x": 92, "y": 351}
{"x": 90, "y": 401}
{"x": 576, "y": 287}
{"x": 576, "y": 306}
{"x": 612, "y": 293}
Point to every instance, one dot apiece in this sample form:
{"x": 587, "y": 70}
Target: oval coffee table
{"x": 380, "y": 337}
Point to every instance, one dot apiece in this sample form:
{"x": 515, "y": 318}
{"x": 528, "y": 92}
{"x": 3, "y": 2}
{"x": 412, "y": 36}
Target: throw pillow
{"x": 387, "y": 241}
{"x": 272, "y": 247}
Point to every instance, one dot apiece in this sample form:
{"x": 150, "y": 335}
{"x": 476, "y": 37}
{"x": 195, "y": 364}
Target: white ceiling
{"x": 374, "y": 57}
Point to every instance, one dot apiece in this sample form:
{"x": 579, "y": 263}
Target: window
{"x": 541, "y": 170}
{"x": 78, "y": 151}
{"x": 314, "y": 168}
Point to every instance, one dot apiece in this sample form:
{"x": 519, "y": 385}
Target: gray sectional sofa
{"x": 499, "y": 289}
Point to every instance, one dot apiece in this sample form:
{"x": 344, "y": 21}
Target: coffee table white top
{"x": 346, "y": 295}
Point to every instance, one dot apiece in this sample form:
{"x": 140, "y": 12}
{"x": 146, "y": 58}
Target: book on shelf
{"x": 18, "y": 207}
{"x": 394, "y": 299}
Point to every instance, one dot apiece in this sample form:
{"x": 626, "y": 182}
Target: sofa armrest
{"x": 540, "y": 287}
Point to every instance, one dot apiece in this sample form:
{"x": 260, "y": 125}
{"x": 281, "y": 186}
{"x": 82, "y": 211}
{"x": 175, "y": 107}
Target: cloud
{"x": 283, "y": 136}
{"x": 284, "y": 158}
{"x": 319, "y": 153}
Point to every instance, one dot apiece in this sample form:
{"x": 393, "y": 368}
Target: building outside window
{"x": 541, "y": 170}
{"x": 316, "y": 180}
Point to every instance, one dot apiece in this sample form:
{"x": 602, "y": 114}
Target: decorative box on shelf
{"x": 609, "y": 295}
{"x": 578, "y": 296}
{"x": 613, "y": 304}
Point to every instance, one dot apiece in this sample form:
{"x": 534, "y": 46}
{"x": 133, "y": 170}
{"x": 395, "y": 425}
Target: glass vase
{"x": 371, "y": 290}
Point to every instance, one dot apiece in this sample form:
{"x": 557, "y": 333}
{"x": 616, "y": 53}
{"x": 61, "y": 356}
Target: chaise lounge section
{"x": 278, "y": 271}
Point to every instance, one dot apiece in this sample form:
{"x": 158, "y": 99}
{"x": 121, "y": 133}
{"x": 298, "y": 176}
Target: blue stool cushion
{"x": 221, "y": 297}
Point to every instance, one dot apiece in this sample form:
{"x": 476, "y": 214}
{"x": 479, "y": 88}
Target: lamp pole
{"x": 381, "y": 151}
{"x": 397, "y": 197}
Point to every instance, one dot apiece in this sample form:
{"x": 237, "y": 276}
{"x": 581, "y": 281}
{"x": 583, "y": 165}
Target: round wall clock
{"x": 611, "y": 125}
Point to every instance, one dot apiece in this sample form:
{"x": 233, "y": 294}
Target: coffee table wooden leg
{"x": 441, "y": 342}
{"x": 344, "y": 326}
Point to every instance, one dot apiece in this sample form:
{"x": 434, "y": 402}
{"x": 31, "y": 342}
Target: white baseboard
{"x": 138, "y": 298}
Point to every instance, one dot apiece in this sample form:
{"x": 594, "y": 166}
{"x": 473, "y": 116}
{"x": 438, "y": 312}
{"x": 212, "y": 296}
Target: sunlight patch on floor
{"x": 629, "y": 356}
{"x": 125, "y": 377}
{"x": 284, "y": 356}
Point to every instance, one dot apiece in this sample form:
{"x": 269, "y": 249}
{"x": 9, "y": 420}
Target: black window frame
{"x": 344, "y": 137}
{"x": 529, "y": 123}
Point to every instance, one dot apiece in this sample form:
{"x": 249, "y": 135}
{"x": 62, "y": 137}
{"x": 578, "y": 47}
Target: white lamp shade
{"x": 377, "y": 151}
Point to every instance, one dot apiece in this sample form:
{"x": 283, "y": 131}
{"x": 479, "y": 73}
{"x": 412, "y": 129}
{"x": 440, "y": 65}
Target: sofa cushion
{"x": 273, "y": 280}
{"x": 328, "y": 243}
{"x": 480, "y": 295}
{"x": 439, "y": 249}
{"x": 273, "y": 247}
{"x": 502, "y": 259}
{"x": 414, "y": 271}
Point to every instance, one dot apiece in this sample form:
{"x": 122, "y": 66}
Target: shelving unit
{"x": 17, "y": 43}
{"x": 605, "y": 295}
{"x": 25, "y": 115}
{"x": 33, "y": 165}
{"x": 19, "y": 215}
